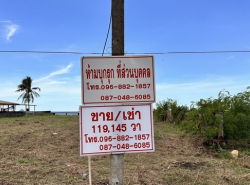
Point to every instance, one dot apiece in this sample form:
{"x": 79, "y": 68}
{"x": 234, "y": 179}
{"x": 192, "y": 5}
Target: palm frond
{"x": 36, "y": 88}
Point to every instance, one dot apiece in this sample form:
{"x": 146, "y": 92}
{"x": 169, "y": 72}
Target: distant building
{"x": 6, "y": 106}
{"x": 8, "y": 109}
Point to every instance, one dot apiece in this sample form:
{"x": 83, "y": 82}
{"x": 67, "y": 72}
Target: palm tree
{"x": 28, "y": 91}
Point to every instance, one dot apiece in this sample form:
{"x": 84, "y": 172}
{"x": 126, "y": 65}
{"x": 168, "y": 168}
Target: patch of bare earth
{"x": 45, "y": 150}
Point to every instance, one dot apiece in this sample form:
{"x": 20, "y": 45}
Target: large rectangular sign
{"x": 118, "y": 79}
{"x": 116, "y": 129}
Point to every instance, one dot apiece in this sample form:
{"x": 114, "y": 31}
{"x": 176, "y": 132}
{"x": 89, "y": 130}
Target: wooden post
{"x": 117, "y": 160}
{"x": 89, "y": 164}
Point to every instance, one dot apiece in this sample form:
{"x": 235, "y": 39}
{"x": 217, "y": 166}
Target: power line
{"x": 127, "y": 53}
{"x": 48, "y": 52}
{"x": 110, "y": 20}
{"x": 189, "y": 52}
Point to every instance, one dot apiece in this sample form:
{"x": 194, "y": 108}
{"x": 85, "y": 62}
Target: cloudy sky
{"x": 150, "y": 26}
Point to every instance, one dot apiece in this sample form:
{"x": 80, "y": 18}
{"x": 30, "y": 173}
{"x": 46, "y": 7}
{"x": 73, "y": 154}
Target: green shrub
{"x": 227, "y": 115}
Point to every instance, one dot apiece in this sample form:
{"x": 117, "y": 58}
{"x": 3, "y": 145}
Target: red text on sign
{"x": 109, "y": 116}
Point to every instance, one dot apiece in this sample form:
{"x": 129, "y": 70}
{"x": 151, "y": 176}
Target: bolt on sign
{"x": 118, "y": 79}
{"x": 116, "y": 129}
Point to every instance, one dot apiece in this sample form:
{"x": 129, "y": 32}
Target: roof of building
{"x": 8, "y": 103}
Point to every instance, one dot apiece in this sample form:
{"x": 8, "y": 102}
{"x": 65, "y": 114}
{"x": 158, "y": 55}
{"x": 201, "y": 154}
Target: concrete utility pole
{"x": 117, "y": 27}
{"x": 117, "y": 160}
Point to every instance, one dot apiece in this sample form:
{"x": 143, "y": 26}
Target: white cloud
{"x": 59, "y": 72}
{"x": 10, "y": 29}
{"x": 8, "y": 93}
{"x": 55, "y": 82}
{"x": 58, "y": 91}
{"x": 201, "y": 89}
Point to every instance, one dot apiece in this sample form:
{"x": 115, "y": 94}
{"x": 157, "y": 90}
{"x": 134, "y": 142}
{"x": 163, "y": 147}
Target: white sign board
{"x": 116, "y": 129}
{"x": 118, "y": 79}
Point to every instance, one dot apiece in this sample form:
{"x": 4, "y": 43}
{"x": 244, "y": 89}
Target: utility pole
{"x": 117, "y": 12}
{"x": 117, "y": 27}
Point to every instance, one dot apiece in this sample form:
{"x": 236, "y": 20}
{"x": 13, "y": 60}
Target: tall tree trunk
{"x": 28, "y": 103}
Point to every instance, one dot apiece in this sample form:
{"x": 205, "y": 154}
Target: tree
{"x": 28, "y": 91}
{"x": 161, "y": 111}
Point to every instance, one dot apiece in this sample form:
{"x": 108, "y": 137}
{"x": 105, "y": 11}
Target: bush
{"x": 227, "y": 115}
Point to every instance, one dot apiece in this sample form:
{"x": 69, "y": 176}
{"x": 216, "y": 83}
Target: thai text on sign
{"x": 116, "y": 129}
{"x": 118, "y": 79}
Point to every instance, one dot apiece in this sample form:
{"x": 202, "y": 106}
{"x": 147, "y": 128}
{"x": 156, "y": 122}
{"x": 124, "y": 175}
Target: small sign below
{"x": 116, "y": 129}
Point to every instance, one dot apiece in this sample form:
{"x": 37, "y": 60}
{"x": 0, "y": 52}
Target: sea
{"x": 68, "y": 113}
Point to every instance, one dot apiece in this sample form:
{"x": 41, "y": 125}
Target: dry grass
{"x": 31, "y": 154}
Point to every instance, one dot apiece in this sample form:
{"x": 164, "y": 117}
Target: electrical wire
{"x": 110, "y": 20}
{"x": 52, "y": 52}
{"x": 128, "y": 53}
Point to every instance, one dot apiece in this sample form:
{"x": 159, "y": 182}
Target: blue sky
{"x": 150, "y": 26}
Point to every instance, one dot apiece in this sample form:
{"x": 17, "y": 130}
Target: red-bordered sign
{"x": 116, "y": 129}
{"x": 118, "y": 79}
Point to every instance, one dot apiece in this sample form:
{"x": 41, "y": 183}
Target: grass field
{"x": 31, "y": 154}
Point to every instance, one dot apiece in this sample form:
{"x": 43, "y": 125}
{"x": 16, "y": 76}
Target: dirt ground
{"x": 45, "y": 150}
